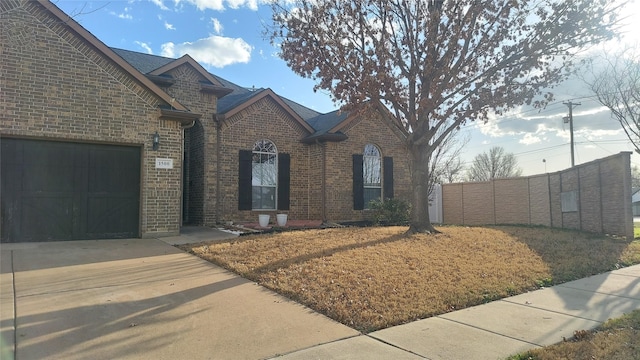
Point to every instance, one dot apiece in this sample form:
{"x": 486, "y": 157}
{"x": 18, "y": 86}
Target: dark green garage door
{"x": 54, "y": 191}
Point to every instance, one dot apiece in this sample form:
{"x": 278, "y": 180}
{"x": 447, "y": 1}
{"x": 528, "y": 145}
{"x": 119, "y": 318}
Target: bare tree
{"x": 446, "y": 163}
{"x": 437, "y": 64}
{"x": 617, "y": 87}
{"x": 496, "y": 164}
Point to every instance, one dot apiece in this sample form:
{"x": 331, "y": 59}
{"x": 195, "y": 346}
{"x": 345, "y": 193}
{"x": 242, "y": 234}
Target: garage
{"x": 53, "y": 191}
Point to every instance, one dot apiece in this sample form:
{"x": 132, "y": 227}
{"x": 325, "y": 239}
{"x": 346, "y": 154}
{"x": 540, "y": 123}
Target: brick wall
{"x": 369, "y": 128}
{"x": 478, "y": 204}
{"x": 57, "y": 87}
{"x": 310, "y": 163}
{"x": 539, "y": 201}
{"x": 509, "y": 198}
{"x": 199, "y": 181}
{"x": 266, "y": 119}
{"x": 602, "y": 192}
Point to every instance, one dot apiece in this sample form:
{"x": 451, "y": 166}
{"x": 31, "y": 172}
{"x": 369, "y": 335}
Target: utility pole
{"x": 569, "y": 119}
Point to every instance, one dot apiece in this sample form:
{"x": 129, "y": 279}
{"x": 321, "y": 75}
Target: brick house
{"x": 99, "y": 142}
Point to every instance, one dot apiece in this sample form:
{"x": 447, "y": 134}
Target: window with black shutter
{"x": 264, "y": 179}
{"x": 387, "y": 178}
{"x": 372, "y": 177}
{"x": 244, "y": 180}
{"x": 358, "y": 183}
{"x": 284, "y": 180}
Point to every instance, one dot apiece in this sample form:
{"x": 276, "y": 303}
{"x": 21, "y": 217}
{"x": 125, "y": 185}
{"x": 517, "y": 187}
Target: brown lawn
{"x": 373, "y": 278}
{"x": 616, "y": 339}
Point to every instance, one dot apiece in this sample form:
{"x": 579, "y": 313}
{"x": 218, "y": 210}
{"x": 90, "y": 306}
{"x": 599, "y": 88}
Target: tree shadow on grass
{"x": 581, "y": 265}
{"x": 284, "y": 263}
{"x": 570, "y": 254}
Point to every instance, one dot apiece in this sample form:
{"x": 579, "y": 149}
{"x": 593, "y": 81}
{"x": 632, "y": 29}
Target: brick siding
{"x": 369, "y": 128}
{"x": 603, "y": 199}
{"x": 56, "y": 87}
{"x": 266, "y": 119}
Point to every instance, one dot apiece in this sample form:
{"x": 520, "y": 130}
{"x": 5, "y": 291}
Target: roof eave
{"x": 161, "y": 80}
{"x": 218, "y": 91}
{"x": 183, "y": 117}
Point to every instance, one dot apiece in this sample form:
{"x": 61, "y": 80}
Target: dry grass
{"x": 373, "y": 278}
{"x": 617, "y": 339}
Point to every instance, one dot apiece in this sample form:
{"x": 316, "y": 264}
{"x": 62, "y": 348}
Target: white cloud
{"x": 217, "y": 26}
{"x": 529, "y": 139}
{"x": 145, "y": 46}
{"x": 168, "y": 50}
{"x": 216, "y": 51}
{"x": 251, "y": 4}
{"x": 160, "y": 4}
{"x": 168, "y": 26}
{"x": 218, "y": 5}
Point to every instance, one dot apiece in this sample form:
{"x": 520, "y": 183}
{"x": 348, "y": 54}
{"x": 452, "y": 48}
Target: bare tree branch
{"x": 617, "y": 86}
{"x": 438, "y": 64}
{"x": 496, "y": 164}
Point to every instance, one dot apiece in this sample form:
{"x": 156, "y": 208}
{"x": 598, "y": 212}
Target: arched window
{"x": 264, "y": 175}
{"x": 371, "y": 174}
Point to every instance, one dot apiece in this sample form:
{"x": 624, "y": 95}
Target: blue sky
{"x": 226, "y": 37}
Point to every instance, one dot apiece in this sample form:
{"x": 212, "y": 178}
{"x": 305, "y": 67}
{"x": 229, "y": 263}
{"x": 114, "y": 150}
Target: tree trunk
{"x": 420, "y": 222}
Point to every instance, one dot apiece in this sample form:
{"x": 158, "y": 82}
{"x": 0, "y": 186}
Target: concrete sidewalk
{"x": 498, "y": 329}
{"x": 145, "y": 299}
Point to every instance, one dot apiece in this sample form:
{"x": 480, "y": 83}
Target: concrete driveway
{"x": 143, "y": 299}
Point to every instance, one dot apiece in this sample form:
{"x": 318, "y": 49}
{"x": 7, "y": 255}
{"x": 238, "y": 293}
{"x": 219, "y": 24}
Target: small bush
{"x": 390, "y": 211}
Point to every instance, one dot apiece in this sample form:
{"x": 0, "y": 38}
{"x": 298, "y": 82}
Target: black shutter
{"x": 284, "y": 180}
{"x": 244, "y": 180}
{"x": 387, "y": 190}
{"x": 358, "y": 183}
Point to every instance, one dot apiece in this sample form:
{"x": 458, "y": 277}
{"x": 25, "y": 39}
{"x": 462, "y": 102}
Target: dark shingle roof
{"x": 236, "y": 98}
{"x": 144, "y": 63}
{"x": 325, "y": 122}
{"x": 321, "y": 123}
{"x": 301, "y": 110}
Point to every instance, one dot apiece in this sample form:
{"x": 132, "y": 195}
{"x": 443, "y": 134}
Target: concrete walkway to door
{"x": 143, "y": 299}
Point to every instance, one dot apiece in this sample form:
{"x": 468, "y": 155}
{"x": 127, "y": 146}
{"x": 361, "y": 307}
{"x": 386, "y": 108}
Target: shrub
{"x": 390, "y": 211}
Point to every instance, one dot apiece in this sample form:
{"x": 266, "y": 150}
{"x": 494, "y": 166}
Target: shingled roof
{"x": 321, "y": 123}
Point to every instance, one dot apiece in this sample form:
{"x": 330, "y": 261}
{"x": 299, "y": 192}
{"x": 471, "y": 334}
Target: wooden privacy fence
{"x": 595, "y": 197}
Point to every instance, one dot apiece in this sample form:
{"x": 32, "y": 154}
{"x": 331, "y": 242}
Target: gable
{"x": 86, "y": 47}
{"x": 265, "y": 117}
{"x": 187, "y": 60}
{"x": 373, "y": 120}
{"x": 256, "y": 100}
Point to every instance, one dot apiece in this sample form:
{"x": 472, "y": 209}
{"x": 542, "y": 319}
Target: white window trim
{"x": 275, "y": 186}
{"x": 378, "y": 158}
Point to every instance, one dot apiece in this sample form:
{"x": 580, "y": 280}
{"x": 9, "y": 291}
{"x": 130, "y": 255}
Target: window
{"x": 264, "y": 175}
{"x": 371, "y": 174}
{"x": 256, "y": 178}
{"x": 372, "y": 179}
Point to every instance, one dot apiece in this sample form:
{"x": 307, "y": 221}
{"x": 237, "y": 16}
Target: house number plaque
{"x": 164, "y": 163}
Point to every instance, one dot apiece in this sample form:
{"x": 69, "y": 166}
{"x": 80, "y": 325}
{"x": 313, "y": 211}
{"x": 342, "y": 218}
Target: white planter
{"x": 282, "y": 219}
{"x": 263, "y": 220}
